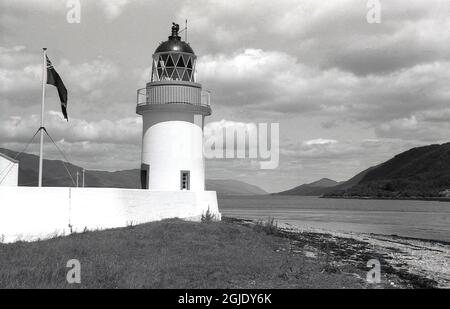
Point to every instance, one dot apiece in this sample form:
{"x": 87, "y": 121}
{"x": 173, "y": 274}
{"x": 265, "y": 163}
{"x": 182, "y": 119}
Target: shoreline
{"x": 428, "y": 199}
{"x": 417, "y": 263}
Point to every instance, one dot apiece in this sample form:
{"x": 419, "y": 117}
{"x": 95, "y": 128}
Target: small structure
{"x": 9, "y": 171}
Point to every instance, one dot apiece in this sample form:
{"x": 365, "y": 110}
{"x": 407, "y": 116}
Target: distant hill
{"x": 312, "y": 189}
{"x": 233, "y": 187}
{"x": 349, "y": 183}
{"x": 418, "y": 172}
{"x": 55, "y": 175}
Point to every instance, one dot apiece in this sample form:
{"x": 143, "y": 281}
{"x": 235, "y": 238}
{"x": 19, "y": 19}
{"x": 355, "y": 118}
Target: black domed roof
{"x": 174, "y": 43}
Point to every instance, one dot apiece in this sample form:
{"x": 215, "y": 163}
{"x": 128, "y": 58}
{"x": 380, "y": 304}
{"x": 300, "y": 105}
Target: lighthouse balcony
{"x": 179, "y": 94}
{"x": 173, "y": 92}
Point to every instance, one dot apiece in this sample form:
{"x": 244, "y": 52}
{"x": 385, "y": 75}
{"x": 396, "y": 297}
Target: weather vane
{"x": 175, "y": 29}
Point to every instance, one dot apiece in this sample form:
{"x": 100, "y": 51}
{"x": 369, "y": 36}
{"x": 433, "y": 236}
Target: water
{"x": 419, "y": 219}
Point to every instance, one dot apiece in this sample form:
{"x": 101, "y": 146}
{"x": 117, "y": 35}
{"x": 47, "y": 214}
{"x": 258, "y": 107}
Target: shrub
{"x": 208, "y": 217}
{"x": 270, "y": 226}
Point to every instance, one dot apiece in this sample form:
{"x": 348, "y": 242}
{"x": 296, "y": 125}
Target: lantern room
{"x": 174, "y": 59}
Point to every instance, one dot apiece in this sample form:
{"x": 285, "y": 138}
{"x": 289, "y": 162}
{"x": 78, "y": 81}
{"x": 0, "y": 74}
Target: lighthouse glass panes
{"x": 173, "y": 66}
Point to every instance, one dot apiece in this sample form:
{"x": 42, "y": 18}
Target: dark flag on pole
{"x": 54, "y": 79}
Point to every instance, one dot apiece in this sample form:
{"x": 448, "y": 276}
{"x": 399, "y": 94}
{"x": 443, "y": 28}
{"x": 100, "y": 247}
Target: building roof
{"x": 174, "y": 43}
{"x": 8, "y": 158}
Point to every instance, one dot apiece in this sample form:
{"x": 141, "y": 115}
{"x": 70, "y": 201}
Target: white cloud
{"x": 424, "y": 127}
{"x": 326, "y": 33}
{"x": 113, "y": 8}
{"x": 442, "y": 115}
{"x": 251, "y": 64}
{"x": 320, "y": 141}
{"x": 275, "y": 81}
{"x": 299, "y": 60}
{"x": 21, "y": 77}
{"x": 89, "y": 76}
{"x": 219, "y": 126}
{"x": 17, "y": 80}
{"x": 49, "y": 6}
{"x": 19, "y": 69}
{"x": 402, "y": 124}
{"x": 122, "y": 131}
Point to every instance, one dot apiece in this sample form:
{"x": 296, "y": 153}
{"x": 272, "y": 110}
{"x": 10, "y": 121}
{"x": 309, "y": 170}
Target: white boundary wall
{"x": 31, "y": 213}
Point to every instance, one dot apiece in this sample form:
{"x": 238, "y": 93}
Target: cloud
{"x": 19, "y": 70}
{"x": 123, "y": 131}
{"x": 316, "y": 67}
{"x": 102, "y": 144}
{"x": 113, "y": 8}
{"x": 48, "y": 6}
{"x": 426, "y": 127}
{"x": 225, "y": 134}
{"x": 442, "y": 115}
{"x": 212, "y": 128}
{"x": 21, "y": 78}
{"x": 274, "y": 81}
{"x": 320, "y": 141}
{"x": 326, "y": 149}
{"x": 89, "y": 76}
{"x": 327, "y": 34}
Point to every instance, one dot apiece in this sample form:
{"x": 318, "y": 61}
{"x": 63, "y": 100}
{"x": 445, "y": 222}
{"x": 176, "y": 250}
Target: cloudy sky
{"x": 347, "y": 94}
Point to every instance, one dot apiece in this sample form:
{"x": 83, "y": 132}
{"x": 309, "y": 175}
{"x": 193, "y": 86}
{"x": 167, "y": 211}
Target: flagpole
{"x": 44, "y": 81}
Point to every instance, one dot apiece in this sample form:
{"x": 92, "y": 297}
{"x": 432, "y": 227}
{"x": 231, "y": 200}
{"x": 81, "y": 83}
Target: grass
{"x": 168, "y": 254}
{"x": 270, "y": 227}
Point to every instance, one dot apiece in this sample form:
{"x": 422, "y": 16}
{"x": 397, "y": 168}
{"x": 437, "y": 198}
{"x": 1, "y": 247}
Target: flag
{"x": 54, "y": 79}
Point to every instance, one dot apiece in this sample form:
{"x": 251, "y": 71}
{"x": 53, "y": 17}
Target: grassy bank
{"x": 179, "y": 254}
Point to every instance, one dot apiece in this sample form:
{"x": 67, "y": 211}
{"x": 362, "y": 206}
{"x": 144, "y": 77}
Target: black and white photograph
{"x": 221, "y": 151}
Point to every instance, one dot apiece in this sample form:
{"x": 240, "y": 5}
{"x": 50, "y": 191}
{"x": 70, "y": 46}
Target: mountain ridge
{"x": 419, "y": 172}
{"x": 315, "y": 188}
{"x": 56, "y": 175}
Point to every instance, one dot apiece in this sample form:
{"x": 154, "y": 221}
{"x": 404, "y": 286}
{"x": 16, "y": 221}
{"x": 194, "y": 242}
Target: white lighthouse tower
{"x": 173, "y": 108}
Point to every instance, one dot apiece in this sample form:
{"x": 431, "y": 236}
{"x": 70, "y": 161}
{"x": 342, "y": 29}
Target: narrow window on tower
{"x": 185, "y": 180}
{"x": 145, "y": 174}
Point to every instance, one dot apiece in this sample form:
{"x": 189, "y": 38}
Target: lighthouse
{"x": 173, "y": 107}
